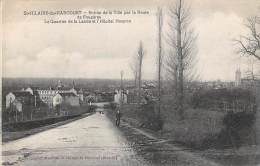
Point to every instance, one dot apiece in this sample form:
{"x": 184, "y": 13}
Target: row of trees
{"x": 180, "y": 58}
{"x": 180, "y": 50}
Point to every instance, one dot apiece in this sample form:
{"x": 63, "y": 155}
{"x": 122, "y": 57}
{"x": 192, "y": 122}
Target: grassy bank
{"x": 198, "y": 125}
{"x": 200, "y": 128}
{"x": 159, "y": 152}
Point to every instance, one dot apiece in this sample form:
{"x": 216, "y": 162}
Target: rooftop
{"x": 66, "y": 94}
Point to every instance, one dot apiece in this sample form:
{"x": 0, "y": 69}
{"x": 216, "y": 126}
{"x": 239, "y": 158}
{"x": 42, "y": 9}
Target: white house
{"x": 57, "y": 100}
{"x": 32, "y": 90}
{"x": 16, "y": 100}
{"x": 120, "y": 96}
{"x": 10, "y": 98}
{"x": 47, "y": 95}
{"x": 18, "y": 105}
{"x": 29, "y": 89}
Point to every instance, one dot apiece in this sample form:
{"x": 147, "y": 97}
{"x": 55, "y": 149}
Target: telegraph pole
{"x": 159, "y": 58}
{"x": 122, "y": 89}
{"x": 10, "y": 116}
{"x": 16, "y": 119}
{"x": 35, "y": 101}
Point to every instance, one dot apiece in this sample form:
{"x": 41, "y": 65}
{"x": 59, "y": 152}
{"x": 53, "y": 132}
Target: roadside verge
{"x": 157, "y": 150}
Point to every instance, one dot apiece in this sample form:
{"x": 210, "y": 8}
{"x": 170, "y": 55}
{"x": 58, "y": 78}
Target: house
{"x": 66, "y": 98}
{"x": 89, "y": 97}
{"x": 120, "y": 96}
{"x": 18, "y": 100}
{"x": 74, "y": 90}
{"x": 47, "y": 95}
{"x": 57, "y": 100}
{"x": 78, "y": 92}
{"x": 36, "y": 96}
{"x": 17, "y": 105}
{"x": 44, "y": 96}
{"x": 32, "y": 90}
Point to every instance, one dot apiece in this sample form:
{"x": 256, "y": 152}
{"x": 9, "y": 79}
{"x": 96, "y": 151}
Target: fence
{"x": 32, "y": 113}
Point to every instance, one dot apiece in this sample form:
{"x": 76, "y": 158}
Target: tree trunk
{"x": 180, "y": 63}
{"x": 159, "y": 58}
{"x": 140, "y": 61}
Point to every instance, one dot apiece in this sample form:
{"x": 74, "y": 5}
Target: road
{"x": 92, "y": 141}
{"x": 100, "y": 104}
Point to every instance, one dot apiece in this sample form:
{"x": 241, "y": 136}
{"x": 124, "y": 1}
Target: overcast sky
{"x": 34, "y": 49}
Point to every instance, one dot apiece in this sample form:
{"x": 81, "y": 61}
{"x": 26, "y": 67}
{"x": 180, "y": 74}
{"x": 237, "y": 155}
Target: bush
{"x": 198, "y": 125}
{"x": 239, "y": 129}
{"x": 149, "y": 117}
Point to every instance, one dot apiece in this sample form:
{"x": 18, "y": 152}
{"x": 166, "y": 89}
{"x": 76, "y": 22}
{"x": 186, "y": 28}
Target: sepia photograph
{"x": 130, "y": 82}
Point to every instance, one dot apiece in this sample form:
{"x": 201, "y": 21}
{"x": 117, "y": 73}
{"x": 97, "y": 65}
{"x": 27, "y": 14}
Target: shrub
{"x": 149, "y": 118}
{"x": 197, "y": 126}
{"x": 239, "y": 129}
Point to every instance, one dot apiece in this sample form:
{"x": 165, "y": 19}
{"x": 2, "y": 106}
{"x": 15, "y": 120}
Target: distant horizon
{"x": 115, "y": 79}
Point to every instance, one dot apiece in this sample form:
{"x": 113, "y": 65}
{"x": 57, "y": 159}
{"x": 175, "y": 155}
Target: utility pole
{"x": 34, "y": 107}
{"x": 10, "y": 116}
{"x": 140, "y": 62}
{"x": 35, "y": 101}
{"x": 159, "y": 58}
{"x": 121, "y": 89}
{"x": 16, "y": 115}
{"x": 22, "y": 113}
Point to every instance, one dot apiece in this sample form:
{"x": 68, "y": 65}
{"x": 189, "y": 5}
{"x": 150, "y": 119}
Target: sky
{"x": 32, "y": 48}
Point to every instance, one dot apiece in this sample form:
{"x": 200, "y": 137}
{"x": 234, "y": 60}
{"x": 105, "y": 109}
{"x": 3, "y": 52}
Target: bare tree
{"x": 171, "y": 67}
{"x": 160, "y": 20}
{"x": 181, "y": 60}
{"x": 140, "y": 63}
{"x": 250, "y": 45}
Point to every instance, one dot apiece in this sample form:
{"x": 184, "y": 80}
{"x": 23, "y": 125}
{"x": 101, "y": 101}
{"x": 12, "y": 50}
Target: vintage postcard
{"x": 130, "y": 83}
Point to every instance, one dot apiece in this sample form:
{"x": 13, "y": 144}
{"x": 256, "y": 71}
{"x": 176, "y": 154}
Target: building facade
{"x": 67, "y": 98}
{"x": 15, "y": 101}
